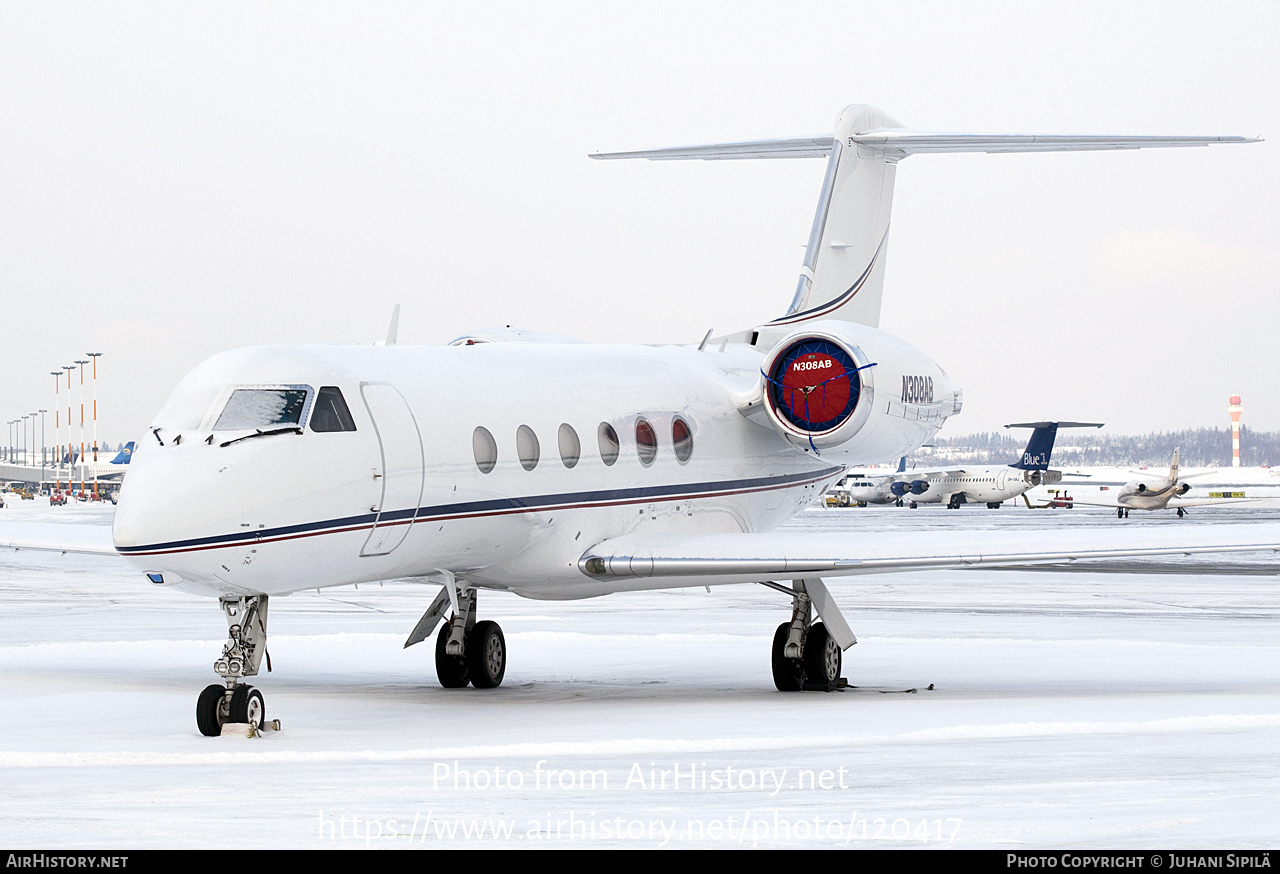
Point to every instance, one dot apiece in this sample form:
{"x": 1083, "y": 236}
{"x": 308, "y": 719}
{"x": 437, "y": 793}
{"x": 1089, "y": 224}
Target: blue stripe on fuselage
{"x": 497, "y": 506}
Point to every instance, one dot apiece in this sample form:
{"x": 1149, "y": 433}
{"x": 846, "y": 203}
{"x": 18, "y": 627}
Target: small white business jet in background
{"x": 1155, "y": 492}
{"x": 557, "y": 470}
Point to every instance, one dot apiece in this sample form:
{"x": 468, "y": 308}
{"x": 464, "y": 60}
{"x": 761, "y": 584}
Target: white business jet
{"x": 1154, "y": 492}
{"x": 558, "y": 470}
{"x": 988, "y": 484}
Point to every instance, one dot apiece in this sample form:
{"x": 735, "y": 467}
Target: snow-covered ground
{"x": 1105, "y": 708}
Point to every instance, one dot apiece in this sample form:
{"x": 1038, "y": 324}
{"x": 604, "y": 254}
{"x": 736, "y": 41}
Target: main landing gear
{"x": 1122, "y": 513}
{"x": 467, "y": 652}
{"x": 806, "y": 655}
{"x": 235, "y": 701}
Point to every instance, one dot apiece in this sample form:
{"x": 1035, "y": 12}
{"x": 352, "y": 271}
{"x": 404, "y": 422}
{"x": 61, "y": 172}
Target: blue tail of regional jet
{"x": 1040, "y": 446}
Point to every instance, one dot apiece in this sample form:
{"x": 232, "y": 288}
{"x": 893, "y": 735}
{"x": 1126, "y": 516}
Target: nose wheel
{"x": 219, "y": 705}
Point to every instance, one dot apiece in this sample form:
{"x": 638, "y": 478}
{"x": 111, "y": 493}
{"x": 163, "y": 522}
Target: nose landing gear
{"x": 237, "y": 702}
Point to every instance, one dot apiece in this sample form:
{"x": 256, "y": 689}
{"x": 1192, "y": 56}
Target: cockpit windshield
{"x": 250, "y": 408}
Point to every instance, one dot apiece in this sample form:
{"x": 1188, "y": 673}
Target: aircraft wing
{"x": 1209, "y": 502}
{"x": 1083, "y": 503}
{"x": 909, "y": 475}
{"x": 906, "y": 476}
{"x": 57, "y": 537}
{"x": 1173, "y": 504}
{"x": 729, "y": 558}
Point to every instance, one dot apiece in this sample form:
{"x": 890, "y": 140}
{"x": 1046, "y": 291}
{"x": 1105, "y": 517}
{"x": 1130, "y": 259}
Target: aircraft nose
{"x": 168, "y": 497}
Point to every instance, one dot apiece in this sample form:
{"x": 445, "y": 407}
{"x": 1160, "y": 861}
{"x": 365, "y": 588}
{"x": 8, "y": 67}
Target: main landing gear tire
{"x": 486, "y": 655}
{"x": 451, "y": 669}
{"x": 788, "y": 674}
{"x": 822, "y": 656}
{"x": 1181, "y": 512}
{"x": 247, "y": 706}
{"x": 210, "y": 710}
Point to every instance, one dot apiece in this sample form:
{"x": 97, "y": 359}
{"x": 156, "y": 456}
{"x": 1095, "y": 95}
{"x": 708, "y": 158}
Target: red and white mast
{"x": 1235, "y": 410}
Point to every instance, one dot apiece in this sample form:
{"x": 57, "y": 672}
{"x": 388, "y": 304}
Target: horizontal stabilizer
{"x": 802, "y": 147}
{"x": 910, "y": 142}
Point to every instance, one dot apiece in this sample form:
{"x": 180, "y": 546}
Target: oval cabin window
{"x": 570, "y": 445}
{"x": 646, "y": 442}
{"x": 485, "y": 449}
{"x": 682, "y": 439}
{"x": 527, "y": 447}
{"x": 608, "y": 443}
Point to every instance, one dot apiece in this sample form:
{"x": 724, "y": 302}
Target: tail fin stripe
{"x": 820, "y": 311}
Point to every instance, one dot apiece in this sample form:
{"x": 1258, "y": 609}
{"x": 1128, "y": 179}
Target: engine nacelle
{"x": 837, "y": 384}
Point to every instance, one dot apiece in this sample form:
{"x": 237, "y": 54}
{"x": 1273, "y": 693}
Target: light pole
{"x": 82, "y": 363}
{"x": 94, "y": 356}
{"x": 32, "y": 452}
{"x": 71, "y": 464}
{"x": 42, "y": 449}
{"x": 57, "y": 427}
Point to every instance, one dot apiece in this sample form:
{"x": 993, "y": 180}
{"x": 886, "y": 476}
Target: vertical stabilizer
{"x": 1040, "y": 446}
{"x": 1173, "y": 468}
{"x": 843, "y": 272}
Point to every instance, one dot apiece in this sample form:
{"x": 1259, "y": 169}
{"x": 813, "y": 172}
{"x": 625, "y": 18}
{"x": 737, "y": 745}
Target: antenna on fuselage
{"x": 394, "y": 327}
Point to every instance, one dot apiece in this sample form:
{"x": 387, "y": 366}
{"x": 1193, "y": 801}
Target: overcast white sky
{"x": 180, "y": 179}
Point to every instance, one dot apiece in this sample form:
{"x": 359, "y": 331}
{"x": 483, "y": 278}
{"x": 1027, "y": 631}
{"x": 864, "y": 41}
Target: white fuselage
{"x": 978, "y": 485}
{"x": 403, "y": 494}
{"x": 869, "y": 490}
{"x": 1150, "y": 494}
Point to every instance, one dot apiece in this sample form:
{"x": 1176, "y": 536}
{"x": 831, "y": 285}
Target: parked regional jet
{"x": 991, "y": 485}
{"x": 863, "y": 487}
{"x": 555, "y": 470}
